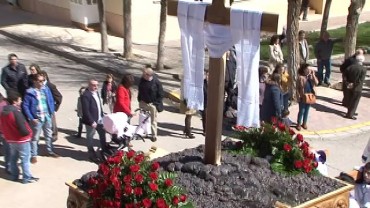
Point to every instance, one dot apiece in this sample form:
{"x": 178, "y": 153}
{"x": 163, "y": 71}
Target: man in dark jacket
{"x": 92, "y": 115}
{"x": 14, "y": 75}
{"x": 150, "y": 97}
{"x": 17, "y": 133}
{"x": 355, "y": 77}
{"x": 347, "y": 63}
{"x": 58, "y": 97}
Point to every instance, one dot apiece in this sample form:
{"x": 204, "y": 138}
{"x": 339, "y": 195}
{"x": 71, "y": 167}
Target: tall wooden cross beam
{"x": 218, "y": 13}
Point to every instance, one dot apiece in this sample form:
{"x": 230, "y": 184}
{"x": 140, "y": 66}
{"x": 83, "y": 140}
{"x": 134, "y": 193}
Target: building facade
{"x": 145, "y": 14}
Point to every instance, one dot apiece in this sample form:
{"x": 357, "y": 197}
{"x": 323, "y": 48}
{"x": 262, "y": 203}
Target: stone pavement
{"x": 326, "y": 118}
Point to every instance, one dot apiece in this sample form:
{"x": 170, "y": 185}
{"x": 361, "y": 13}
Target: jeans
{"x": 22, "y": 151}
{"x": 153, "y": 115}
{"x": 6, "y": 152}
{"x": 303, "y": 112}
{"x": 46, "y": 126}
{"x": 286, "y": 97}
{"x": 320, "y": 67}
{"x": 90, "y": 132}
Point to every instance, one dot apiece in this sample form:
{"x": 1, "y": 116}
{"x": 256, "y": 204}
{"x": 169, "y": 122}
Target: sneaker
{"x": 33, "y": 160}
{"x": 30, "y": 180}
{"x": 53, "y": 154}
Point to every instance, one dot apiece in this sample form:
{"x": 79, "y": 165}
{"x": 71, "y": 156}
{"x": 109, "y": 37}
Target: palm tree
{"x": 103, "y": 26}
{"x": 325, "y": 17}
{"x": 162, "y": 34}
{"x": 294, "y": 7}
{"x": 354, "y": 11}
{"x": 127, "y": 41}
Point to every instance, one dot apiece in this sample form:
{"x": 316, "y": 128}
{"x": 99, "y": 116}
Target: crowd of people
{"x": 29, "y": 108}
{"x": 32, "y": 100}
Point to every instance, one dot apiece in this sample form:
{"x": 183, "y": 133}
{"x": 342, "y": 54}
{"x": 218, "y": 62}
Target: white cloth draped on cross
{"x": 243, "y": 32}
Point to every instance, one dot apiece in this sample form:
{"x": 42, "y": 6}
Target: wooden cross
{"x": 218, "y": 13}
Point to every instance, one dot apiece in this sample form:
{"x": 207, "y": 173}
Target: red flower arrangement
{"x": 288, "y": 151}
{"x": 130, "y": 180}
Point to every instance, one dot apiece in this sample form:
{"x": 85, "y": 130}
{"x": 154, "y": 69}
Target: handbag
{"x": 310, "y": 98}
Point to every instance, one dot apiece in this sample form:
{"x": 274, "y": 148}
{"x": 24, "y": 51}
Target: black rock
{"x": 241, "y": 181}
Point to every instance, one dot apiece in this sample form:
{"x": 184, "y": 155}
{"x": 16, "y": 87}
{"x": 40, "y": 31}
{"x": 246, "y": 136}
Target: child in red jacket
{"x": 17, "y": 134}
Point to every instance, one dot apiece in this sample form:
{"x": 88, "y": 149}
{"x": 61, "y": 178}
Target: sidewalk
{"x": 326, "y": 117}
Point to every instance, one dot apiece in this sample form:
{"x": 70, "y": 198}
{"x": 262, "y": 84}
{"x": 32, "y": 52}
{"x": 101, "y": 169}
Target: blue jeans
{"x": 320, "y": 70}
{"x": 304, "y": 108}
{"x": 90, "y": 132}
{"x": 286, "y": 97}
{"x": 6, "y": 152}
{"x": 46, "y": 126}
{"x": 22, "y": 151}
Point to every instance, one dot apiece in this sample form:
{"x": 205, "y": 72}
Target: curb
{"x": 67, "y": 55}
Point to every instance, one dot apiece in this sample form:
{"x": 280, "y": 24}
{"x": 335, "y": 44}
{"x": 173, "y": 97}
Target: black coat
{"x": 90, "y": 111}
{"x": 272, "y": 103}
{"x": 58, "y": 97}
{"x": 151, "y": 92}
{"x": 15, "y": 79}
{"x": 355, "y": 74}
{"x": 347, "y": 63}
{"x": 104, "y": 91}
{"x": 230, "y": 74}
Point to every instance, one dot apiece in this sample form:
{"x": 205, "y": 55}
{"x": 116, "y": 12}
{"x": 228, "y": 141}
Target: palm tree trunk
{"x": 127, "y": 41}
{"x": 294, "y": 7}
{"x": 325, "y": 17}
{"x": 162, "y": 34}
{"x": 354, "y": 11}
{"x": 103, "y": 27}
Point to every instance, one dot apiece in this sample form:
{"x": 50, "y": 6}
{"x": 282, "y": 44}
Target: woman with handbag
{"x": 306, "y": 95}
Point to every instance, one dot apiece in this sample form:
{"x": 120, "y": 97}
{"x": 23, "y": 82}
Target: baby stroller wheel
{"x": 153, "y": 139}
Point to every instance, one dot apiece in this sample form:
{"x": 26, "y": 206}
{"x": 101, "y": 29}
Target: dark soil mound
{"x": 241, "y": 181}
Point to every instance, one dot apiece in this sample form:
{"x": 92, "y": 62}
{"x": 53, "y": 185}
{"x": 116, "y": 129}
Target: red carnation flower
{"x": 104, "y": 169}
{"x": 175, "y": 200}
{"x": 168, "y": 182}
{"x": 107, "y": 203}
{"x": 155, "y": 166}
{"x": 117, "y": 204}
{"x": 139, "y": 178}
{"x": 281, "y": 126}
{"x": 138, "y": 191}
{"x": 291, "y": 132}
{"x": 131, "y": 205}
{"x": 312, "y": 156}
{"x": 114, "y": 160}
{"x": 307, "y": 169}
{"x": 134, "y": 168}
{"x": 128, "y": 190}
{"x": 127, "y": 179}
{"x": 183, "y": 198}
{"x": 120, "y": 153}
{"x": 298, "y": 164}
{"x": 147, "y": 203}
{"x": 274, "y": 120}
{"x": 299, "y": 137}
{"x": 315, "y": 164}
{"x": 115, "y": 171}
{"x": 118, "y": 194}
{"x": 161, "y": 203}
{"x": 287, "y": 147}
{"x": 139, "y": 158}
{"x": 130, "y": 154}
{"x": 153, "y": 176}
{"x": 153, "y": 186}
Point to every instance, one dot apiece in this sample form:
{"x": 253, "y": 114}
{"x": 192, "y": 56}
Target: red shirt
{"x": 123, "y": 101}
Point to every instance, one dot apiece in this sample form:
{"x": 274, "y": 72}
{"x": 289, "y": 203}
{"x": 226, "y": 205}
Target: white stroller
{"x": 117, "y": 124}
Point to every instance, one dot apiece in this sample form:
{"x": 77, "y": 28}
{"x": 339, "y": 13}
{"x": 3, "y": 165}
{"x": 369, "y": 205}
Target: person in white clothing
{"x": 360, "y": 196}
